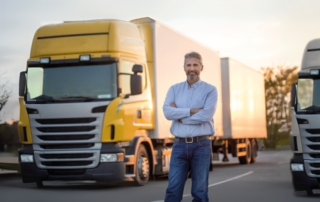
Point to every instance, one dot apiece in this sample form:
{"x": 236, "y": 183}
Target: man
{"x": 190, "y": 105}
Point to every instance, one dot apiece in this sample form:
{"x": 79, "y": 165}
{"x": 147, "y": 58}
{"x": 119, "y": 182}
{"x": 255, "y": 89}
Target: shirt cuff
{"x": 187, "y": 113}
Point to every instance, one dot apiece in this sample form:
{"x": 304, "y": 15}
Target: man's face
{"x": 192, "y": 68}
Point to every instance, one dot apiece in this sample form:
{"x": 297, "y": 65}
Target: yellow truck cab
{"x": 86, "y": 95}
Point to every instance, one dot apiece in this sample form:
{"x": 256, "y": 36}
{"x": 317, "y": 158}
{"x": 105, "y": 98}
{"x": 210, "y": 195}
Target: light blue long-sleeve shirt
{"x": 185, "y": 97}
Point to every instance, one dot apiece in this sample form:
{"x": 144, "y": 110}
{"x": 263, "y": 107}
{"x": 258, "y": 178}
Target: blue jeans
{"x": 197, "y": 156}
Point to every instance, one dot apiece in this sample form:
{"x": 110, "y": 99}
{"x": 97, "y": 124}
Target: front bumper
{"x": 105, "y": 172}
{"x": 300, "y": 180}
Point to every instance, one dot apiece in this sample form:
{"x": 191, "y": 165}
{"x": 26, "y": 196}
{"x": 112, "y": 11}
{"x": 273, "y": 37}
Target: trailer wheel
{"x": 254, "y": 151}
{"x": 247, "y": 158}
{"x": 142, "y": 166}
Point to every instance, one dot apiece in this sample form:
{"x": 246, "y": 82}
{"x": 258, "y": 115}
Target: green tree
{"x": 4, "y": 93}
{"x": 278, "y": 81}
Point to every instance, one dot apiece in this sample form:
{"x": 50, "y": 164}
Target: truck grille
{"x": 316, "y": 156}
{"x": 315, "y": 165}
{"x": 68, "y": 163}
{"x": 66, "y": 121}
{"x": 67, "y": 146}
{"x": 315, "y": 172}
{"x": 67, "y": 160}
{"x": 65, "y": 129}
{"x": 314, "y": 147}
{"x": 310, "y": 139}
{"x": 65, "y": 156}
{"x": 65, "y": 137}
{"x": 313, "y": 131}
{"x": 314, "y": 139}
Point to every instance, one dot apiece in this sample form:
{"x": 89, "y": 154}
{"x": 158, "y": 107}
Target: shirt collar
{"x": 195, "y": 85}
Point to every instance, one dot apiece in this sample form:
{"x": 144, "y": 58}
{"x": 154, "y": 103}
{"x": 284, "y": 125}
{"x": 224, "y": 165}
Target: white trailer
{"x": 244, "y": 117}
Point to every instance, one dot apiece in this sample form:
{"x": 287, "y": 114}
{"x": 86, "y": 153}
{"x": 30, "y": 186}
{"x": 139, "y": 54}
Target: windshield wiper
{"x": 308, "y": 111}
{"x": 43, "y": 99}
{"x": 81, "y": 97}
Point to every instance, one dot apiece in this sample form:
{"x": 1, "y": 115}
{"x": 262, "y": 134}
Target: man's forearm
{"x": 172, "y": 113}
{"x": 203, "y": 116}
{"x": 194, "y": 111}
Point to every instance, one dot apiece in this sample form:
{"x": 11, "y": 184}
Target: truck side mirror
{"x": 137, "y": 69}
{"x": 135, "y": 84}
{"x": 136, "y": 80}
{"x": 22, "y": 83}
{"x": 294, "y": 96}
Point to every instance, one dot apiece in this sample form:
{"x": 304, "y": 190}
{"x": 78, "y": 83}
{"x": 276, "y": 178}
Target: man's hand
{"x": 193, "y": 111}
{"x": 173, "y": 105}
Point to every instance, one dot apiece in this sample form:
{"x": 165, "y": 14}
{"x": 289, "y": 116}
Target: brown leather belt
{"x": 193, "y": 139}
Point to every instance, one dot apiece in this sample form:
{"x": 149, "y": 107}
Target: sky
{"x": 256, "y": 33}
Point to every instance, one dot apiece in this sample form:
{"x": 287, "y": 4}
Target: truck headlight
{"x": 297, "y": 167}
{"x": 111, "y": 157}
{"x": 26, "y": 158}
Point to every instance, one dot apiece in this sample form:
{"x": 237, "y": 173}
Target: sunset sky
{"x": 256, "y": 33}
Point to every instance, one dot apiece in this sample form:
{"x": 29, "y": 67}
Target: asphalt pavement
{"x": 269, "y": 179}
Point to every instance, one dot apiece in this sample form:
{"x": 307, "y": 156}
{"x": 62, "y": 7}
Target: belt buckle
{"x": 187, "y": 140}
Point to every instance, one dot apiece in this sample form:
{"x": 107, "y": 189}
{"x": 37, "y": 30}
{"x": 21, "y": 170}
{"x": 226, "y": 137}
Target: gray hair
{"x": 193, "y": 55}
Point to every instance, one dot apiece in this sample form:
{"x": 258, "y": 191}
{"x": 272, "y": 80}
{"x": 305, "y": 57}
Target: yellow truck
{"x": 91, "y": 100}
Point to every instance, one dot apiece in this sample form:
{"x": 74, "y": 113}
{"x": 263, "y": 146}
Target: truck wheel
{"x": 142, "y": 166}
{"x": 309, "y": 192}
{"x": 254, "y": 151}
{"x": 39, "y": 184}
{"x": 247, "y": 158}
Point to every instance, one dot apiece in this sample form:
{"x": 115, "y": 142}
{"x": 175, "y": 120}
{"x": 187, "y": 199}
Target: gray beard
{"x": 192, "y": 78}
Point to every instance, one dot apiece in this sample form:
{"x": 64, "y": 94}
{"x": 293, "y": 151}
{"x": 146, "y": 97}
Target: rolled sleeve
{"x": 172, "y": 113}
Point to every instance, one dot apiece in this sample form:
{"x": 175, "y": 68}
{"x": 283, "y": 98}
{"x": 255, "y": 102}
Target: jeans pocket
{"x": 175, "y": 143}
{"x": 205, "y": 143}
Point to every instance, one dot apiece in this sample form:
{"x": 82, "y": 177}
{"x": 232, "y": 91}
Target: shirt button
{"x": 187, "y": 128}
{"x": 189, "y": 100}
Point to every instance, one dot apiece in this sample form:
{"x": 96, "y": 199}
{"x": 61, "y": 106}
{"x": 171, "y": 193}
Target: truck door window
{"x": 126, "y": 67}
{"x": 35, "y": 85}
{"x": 305, "y": 93}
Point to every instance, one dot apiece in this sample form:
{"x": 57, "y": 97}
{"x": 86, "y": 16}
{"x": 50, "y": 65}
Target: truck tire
{"x": 142, "y": 166}
{"x": 309, "y": 192}
{"x": 39, "y": 184}
{"x": 254, "y": 151}
{"x": 247, "y": 158}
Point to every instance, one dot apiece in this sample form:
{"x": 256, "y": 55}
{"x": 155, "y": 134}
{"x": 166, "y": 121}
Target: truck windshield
{"x": 72, "y": 83}
{"x": 308, "y": 95}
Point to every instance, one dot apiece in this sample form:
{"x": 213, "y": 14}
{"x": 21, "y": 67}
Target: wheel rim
{"x": 143, "y": 167}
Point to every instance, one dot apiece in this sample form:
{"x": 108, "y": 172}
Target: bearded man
{"x": 190, "y": 105}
